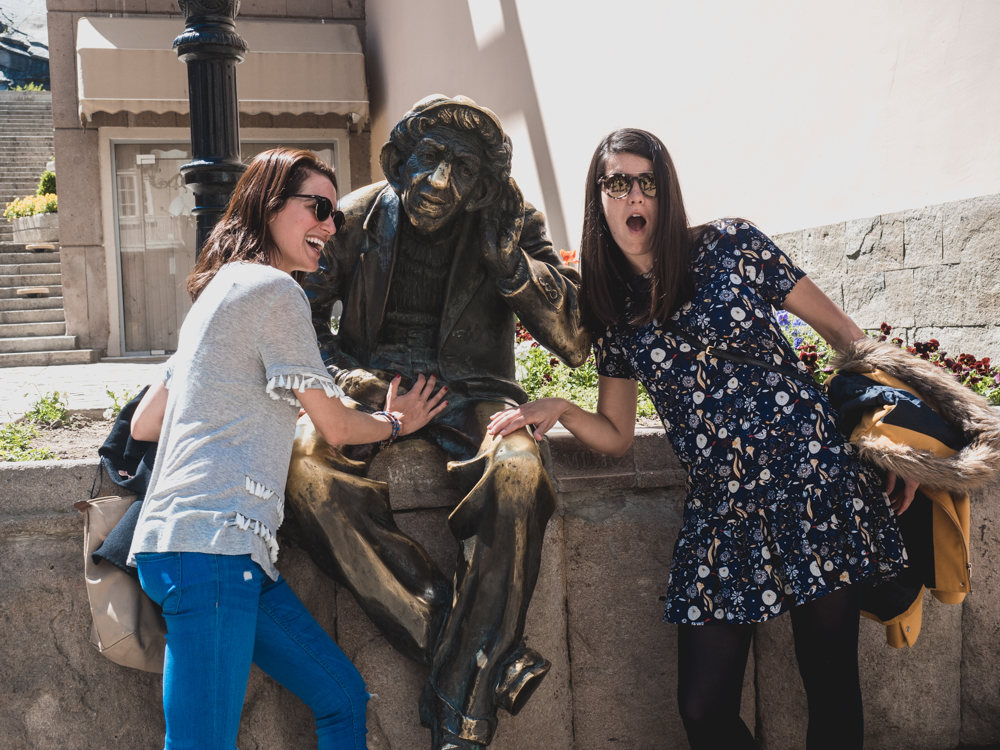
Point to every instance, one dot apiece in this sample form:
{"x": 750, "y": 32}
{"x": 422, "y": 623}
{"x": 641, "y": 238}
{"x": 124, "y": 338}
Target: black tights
{"x": 712, "y": 660}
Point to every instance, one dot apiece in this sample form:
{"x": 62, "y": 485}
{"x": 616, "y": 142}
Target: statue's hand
{"x": 502, "y": 223}
{"x": 367, "y": 386}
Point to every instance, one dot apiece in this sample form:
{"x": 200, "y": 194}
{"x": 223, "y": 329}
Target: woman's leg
{"x": 826, "y": 645}
{"x": 210, "y": 605}
{"x": 293, "y": 649}
{"x": 711, "y": 663}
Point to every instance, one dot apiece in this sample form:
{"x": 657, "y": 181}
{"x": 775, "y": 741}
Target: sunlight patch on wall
{"x": 487, "y": 21}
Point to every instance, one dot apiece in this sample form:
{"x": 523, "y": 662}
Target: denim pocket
{"x": 160, "y": 576}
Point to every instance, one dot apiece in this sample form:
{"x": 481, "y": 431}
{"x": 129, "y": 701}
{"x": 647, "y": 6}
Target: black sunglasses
{"x": 323, "y": 209}
{"x": 618, "y": 185}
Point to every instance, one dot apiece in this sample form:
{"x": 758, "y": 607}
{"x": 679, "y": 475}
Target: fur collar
{"x": 968, "y": 412}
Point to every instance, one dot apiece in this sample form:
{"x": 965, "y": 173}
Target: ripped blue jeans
{"x": 223, "y": 613}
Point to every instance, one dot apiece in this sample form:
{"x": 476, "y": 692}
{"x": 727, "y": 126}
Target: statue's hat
{"x": 434, "y": 101}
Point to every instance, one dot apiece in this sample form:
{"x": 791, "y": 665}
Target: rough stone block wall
{"x": 930, "y": 272}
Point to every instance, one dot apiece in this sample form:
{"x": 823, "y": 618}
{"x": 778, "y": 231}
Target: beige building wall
{"x": 792, "y": 114}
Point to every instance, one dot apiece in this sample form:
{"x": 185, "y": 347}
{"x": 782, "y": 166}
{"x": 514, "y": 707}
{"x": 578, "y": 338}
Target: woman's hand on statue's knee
{"x": 417, "y": 406}
{"x": 542, "y": 414}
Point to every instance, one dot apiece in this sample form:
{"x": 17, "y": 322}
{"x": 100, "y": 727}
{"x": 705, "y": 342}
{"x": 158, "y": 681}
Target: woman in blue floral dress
{"x": 780, "y": 515}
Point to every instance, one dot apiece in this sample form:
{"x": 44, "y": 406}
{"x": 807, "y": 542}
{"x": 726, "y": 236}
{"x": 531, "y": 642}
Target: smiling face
{"x": 295, "y": 231}
{"x": 440, "y": 177}
{"x": 632, "y": 219}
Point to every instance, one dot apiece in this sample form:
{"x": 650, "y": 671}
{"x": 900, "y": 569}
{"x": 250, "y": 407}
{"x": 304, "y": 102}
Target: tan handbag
{"x": 128, "y": 626}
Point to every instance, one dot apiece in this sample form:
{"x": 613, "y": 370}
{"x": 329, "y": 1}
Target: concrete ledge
{"x": 596, "y": 615}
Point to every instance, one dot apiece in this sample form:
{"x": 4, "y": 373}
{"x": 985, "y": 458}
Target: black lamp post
{"x": 211, "y": 48}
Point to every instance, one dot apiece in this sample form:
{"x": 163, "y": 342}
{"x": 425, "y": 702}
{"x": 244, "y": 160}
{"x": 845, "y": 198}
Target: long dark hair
{"x": 603, "y": 267}
{"x": 243, "y": 233}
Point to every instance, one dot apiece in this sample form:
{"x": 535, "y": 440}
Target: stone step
{"x": 7, "y": 293}
{"x": 32, "y": 330}
{"x": 27, "y": 269}
{"x": 43, "y": 359}
{"x": 31, "y": 279}
{"x": 55, "y": 315}
{"x": 53, "y": 302}
{"x": 37, "y": 344}
{"x": 28, "y": 257}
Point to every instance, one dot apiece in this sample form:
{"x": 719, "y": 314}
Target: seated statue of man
{"x": 432, "y": 266}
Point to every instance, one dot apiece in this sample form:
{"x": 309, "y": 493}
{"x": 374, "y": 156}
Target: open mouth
{"x": 316, "y": 243}
{"x": 635, "y": 223}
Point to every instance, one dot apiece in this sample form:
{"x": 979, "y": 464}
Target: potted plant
{"x": 35, "y": 217}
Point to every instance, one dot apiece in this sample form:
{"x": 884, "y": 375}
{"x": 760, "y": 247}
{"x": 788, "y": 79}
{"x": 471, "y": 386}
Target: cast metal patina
{"x": 431, "y": 268}
{"x": 211, "y": 48}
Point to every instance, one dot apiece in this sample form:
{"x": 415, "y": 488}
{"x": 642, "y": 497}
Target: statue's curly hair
{"x": 496, "y": 144}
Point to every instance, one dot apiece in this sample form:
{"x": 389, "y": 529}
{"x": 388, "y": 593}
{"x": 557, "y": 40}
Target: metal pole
{"x": 211, "y": 48}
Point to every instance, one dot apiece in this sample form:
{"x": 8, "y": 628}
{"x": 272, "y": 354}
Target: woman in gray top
{"x": 225, "y": 416}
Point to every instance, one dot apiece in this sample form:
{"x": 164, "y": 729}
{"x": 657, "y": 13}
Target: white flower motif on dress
{"x": 701, "y": 441}
{"x": 697, "y": 397}
{"x": 693, "y": 613}
{"x": 769, "y": 597}
{"x": 781, "y": 398}
{"x": 724, "y": 572}
{"x": 814, "y": 569}
{"x": 703, "y": 571}
{"x": 738, "y": 313}
{"x": 858, "y": 503}
{"x": 734, "y": 486}
{"x": 814, "y": 446}
{"x": 657, "y": 355}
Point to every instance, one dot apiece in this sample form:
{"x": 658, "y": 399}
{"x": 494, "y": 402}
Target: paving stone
{"x": 864, "y": 298}
{"x": 826, "y": 250}
{"x": 938, "y": 296}
{"x": 874, "y": 244}
{"x": 981, "y": 624}
{"x": 923, "y": 243}
{"x": 971, "y": 229}
{"x": 899, "y": 298}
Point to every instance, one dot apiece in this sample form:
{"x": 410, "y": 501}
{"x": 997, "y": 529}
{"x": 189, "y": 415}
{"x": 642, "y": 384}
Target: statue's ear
{"x": 392, "y": 160}
{"x": 489, "y": 192}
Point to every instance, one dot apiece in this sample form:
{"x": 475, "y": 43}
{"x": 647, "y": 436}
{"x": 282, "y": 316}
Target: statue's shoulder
{"x": 359, "y": 202}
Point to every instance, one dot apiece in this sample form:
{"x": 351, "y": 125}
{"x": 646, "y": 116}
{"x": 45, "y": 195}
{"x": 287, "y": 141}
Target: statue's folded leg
{"x": 347, "y": 528}
{"x": 481, "y": 663}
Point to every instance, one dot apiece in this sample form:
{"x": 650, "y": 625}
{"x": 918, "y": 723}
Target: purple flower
{"x": 797, "y": 342}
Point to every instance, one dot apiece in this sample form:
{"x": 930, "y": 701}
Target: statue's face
{"x": 440, "y": 177}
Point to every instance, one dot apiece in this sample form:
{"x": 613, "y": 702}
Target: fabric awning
{"x": 127, "y": 65}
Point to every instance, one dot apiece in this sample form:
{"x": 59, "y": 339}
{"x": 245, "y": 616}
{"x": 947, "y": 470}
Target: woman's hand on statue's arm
{"x": 807, "y": 301}
{"x": 609, "y": 430}
{"x": 900, "y": 497}
{"x": 147, "y": 421}
{"x": 340, "y": 425}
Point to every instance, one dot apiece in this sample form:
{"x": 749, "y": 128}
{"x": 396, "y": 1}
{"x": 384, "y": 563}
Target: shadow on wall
{"x": 469, "y": 47}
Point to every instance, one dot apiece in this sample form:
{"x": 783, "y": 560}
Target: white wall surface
{"x": 789, "y": 113}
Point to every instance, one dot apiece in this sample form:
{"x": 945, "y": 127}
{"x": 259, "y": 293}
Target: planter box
{"x": 37, "y": 228}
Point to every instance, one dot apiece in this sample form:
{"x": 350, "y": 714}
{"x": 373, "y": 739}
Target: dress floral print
{"x": 779, "y": 511}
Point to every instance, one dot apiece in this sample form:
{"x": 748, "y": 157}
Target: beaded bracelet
{"x": 393, "y": 420}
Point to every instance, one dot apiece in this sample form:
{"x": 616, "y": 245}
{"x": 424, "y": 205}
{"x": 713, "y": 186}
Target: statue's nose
{"x": 441, "y": 176}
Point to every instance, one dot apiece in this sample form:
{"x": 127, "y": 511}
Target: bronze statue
{"x": 431, "y": 268}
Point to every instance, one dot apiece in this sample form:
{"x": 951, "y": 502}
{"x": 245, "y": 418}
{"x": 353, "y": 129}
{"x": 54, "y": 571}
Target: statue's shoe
{"x": 520, "y": 678}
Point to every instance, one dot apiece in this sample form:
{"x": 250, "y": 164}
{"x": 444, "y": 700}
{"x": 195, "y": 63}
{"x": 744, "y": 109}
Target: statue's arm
{"x": 544, "y": 293}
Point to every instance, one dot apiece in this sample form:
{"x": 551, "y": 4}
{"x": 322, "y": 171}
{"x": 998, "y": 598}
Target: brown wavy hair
{"x": 604, "y": 270}
{"x": 243, "y": 233}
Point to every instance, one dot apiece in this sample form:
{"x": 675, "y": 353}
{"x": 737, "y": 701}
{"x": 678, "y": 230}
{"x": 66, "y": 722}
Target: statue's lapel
{"x": 467, "y": 275}
{"x": 378, "y": 256}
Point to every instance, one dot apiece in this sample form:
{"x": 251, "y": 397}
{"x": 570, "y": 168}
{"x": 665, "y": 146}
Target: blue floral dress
{"x": 779, "y": 511}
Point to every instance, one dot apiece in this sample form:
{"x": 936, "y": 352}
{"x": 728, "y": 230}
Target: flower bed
{"x": 31, "y": 205}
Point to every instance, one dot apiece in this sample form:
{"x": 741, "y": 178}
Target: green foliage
{"x": 48, "y": 409}
{"x": 118, "y": 400}
{"x": 543, "y": 376}
{"x": 47, "y": 183}
{"x": 29, "y": 86}
{"x": 15, "y": 443}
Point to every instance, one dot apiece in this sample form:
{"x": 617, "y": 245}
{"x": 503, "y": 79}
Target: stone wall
{"x": 596, "y": 615}
{"x": 930, "y": 272}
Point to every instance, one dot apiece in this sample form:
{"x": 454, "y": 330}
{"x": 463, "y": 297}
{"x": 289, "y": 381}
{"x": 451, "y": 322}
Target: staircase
{"x": 32, "y": 328}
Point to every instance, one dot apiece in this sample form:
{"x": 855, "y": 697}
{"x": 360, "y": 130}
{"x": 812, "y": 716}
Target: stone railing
{"x": 596, "y": 615}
